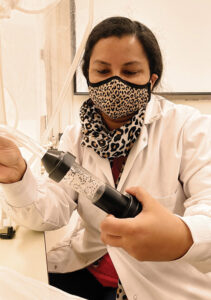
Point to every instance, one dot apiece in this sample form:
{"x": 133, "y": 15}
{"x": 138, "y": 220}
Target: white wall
{"x": 182, "y": 28}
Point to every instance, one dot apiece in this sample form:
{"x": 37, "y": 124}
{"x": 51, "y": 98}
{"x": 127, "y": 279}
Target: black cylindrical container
{"x": 61, "y": 165}
{"x": 117, "y": 204}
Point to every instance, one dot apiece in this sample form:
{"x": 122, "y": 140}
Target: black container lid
{"x": 57, "y": 163}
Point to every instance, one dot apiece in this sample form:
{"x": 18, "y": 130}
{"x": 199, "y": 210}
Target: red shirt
{"x": 103, "y": 269}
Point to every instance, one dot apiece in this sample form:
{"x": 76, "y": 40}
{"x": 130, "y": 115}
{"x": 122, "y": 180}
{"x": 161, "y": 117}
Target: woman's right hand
{"x": 12, "y": 164}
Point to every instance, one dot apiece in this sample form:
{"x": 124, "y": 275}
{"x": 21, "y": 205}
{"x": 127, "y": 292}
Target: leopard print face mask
{"x": 117, "y": 97}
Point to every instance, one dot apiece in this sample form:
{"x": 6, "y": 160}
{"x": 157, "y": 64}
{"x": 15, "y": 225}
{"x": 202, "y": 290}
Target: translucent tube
{"x": 15, "y": 106}
{"x": 62, "y": 166}
{"x": 22, "y": 140}
{"x": 101, "y": 194}
{"x": 84, "y": 183}
{"x": 7, "y": 5}
{"x": 68, "y": 80}
{"x": 69, "y": 77}
{"x": 38, "y": 11}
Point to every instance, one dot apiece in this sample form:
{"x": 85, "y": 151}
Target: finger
{"x": 114, "y": 241}
{"x": 138, "y": 192}
{"x": 117, "y": 227}
{"x": 5, "y": 141}
{"x": 147, "y": 201}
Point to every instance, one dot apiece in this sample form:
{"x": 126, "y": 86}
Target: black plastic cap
{"x": 117, "y": 204}
{"x": 57, "y": 163}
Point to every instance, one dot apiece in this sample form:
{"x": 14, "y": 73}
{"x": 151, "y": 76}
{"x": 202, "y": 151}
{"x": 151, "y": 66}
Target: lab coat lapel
{"x": 139, "y": 145}
{"x": 104, "y": 164}
{"x": 153, "y": 113}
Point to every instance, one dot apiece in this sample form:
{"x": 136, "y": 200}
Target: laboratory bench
{"x": 25, "y": 253}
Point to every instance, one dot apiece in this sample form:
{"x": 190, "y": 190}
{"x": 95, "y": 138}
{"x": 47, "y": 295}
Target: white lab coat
{"x": 171, "y": 160}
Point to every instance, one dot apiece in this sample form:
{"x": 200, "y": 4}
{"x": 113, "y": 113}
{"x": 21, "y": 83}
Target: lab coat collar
{"x": 153, "y": 113}
{"x": 153, "y": 110}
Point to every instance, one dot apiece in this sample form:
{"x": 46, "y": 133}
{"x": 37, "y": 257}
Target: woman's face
{"x": 123, "y": 57}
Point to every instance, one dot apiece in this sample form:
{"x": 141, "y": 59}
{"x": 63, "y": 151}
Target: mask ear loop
{"x": 149, "y": 89}
{"x": 150, "y": 80}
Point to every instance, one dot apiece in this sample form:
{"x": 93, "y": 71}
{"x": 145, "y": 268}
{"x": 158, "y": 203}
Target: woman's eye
{"x": 126, "y": 72}
{"x": 102, "y": 71}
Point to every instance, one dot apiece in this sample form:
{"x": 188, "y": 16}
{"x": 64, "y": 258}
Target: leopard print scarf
{"x": 108, "y": 144}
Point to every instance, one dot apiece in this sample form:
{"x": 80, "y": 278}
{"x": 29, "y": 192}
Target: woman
{"x": 127, "y": 137}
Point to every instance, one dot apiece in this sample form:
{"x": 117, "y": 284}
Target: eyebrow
{"x": 101, "y": 62}
{"x": 135, "y": 62}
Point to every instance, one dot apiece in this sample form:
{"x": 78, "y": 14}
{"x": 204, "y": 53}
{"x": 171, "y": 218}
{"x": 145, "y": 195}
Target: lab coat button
{"x": 55, "y": 267}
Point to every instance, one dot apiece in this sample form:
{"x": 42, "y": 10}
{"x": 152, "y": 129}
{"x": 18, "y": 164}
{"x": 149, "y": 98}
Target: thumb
{"x": 142, "y": 196}
{"x": 6, "y": 142}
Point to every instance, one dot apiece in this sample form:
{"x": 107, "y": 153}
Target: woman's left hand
{"x": 154, "y": 235}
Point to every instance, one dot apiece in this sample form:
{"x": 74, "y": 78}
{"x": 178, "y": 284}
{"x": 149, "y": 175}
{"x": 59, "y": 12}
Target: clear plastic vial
{"x": 84, "y": 183}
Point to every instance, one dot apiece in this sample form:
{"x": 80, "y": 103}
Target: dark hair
{"x": 119, "y": 27}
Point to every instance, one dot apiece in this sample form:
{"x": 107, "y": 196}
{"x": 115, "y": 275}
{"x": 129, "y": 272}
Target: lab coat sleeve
{"x": 40, "y": 203}
{"x": 195, "y": 174}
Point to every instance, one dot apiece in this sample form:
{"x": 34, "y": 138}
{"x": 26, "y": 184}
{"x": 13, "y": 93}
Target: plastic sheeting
{"x": 35, "y": 54}
{"x": 37, "y": 45}
{"x": 14, "y": 285}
